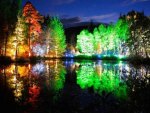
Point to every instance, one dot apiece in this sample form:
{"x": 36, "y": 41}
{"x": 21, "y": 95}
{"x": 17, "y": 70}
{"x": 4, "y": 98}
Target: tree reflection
{"x": 95, "y": 86}
{"x": 101, "y": 81}
{"x": 56, "y": 77}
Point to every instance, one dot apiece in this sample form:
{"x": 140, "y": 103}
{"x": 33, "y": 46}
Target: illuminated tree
{"x": 33, "y": 19}
{"x": 18, "y": 41}
{"x": 85, "y": 42}
{"x": 122, "y": 34}
{"x": 57, "y": 37}
{"x": 102, "y": 33}
{"x": 139, "y": 25}
{"x": 39, "y": 50}
{"x": 113, "y": 37}
{"x": 8, "y": 16}
{"x": 105, "y": 40}
{"x": 21, "y": 35}
{"x": 98, "y": 44}
{"x": 108, "y": 39}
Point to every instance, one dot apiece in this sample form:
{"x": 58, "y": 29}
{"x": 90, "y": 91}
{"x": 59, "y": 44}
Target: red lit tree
{"x": 33, "y": 19}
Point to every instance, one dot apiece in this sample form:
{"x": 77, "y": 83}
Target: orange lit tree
{"x": 33, "y": 19}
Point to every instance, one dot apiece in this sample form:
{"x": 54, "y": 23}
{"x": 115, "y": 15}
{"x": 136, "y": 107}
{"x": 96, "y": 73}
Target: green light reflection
{"x": 106, "y": 80}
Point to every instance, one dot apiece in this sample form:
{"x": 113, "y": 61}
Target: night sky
{"x": 86, "y": 10}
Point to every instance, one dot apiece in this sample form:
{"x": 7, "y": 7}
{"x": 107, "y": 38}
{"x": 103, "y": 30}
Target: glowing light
{"x": 104, "y": 40}
{"x": 23, "y": 71}
{"x": 120, "y": 56}
{"x": 39, "y": 50}
{"x": 29, "y": 54}
{"x": 85, "y": 42}
{"x": 100, "y": 81}
{"x": 34, "y": 91}
{"x": 57, "y": 37}
{"x": 29, "y": 66}
{"x": 68, "y": 54}
{"x": 38, "y": 69}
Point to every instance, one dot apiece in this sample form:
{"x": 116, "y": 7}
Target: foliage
{"x": 39, "y": 50}
{"x": 8, "y": 16}
{"x": 18, "y": 41}
{"x": 139, "y": 41}
{"x": 85, "y": 42}
{"x": 103, "y": 81}
{"x": 56, "y": 72}
{"x": 106, "y": 40}
{"x": 33, "y": 19}
{"x": 57, "y": 37}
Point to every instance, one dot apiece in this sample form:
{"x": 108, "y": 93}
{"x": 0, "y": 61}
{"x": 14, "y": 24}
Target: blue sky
{"x": 85, "y": 10}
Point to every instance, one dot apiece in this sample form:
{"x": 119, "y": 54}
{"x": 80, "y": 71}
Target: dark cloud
{"x": 109, "y": 17}
{"x": 60, "y": 2}
{"x": 130, "y": 2}
{"x": 71, "y": 20}
{"x": 139, "y": 0}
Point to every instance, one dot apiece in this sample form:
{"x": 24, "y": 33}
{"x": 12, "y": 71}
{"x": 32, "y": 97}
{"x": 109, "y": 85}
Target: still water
{"x": 57, "y": 86}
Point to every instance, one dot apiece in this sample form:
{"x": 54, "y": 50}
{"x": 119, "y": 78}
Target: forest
{"x": 25, "y": 33}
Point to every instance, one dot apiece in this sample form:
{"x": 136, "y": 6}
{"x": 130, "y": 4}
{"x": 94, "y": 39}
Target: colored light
{"x": 107, "y": 81}
{"x": 105, "y": 40}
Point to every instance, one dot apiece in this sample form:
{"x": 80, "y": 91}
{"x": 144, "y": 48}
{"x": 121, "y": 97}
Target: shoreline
{"x": 133, "y": 60}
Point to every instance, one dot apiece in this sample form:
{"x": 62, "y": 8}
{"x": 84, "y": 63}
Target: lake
{"x": 81, "y": 86}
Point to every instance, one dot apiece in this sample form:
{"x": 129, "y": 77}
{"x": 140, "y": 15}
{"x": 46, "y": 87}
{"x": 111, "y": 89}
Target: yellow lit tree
{"x": 18, "y": 41}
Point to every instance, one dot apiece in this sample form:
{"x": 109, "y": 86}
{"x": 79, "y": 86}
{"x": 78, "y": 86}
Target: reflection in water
{"x": 55, "y": 73}
{"x": 101, "y": 79}
{"x": 79, "y": 85}
{"x": 38, "y": 69}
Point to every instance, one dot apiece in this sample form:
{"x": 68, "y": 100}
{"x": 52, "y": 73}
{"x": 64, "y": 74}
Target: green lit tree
{"x": 106, "y": 40}
{"x": 85, "y": 43}
{"x": 109, "y": 39}
{"x": 98, "y": 41}
{"x": 105, "y": 37}
{"x": 102, "y": 32}
{"x": 57, "y": 37}
{"x": 121, "y": 36}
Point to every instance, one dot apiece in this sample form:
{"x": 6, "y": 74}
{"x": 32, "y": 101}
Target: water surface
{"x": 57, "y": 86}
